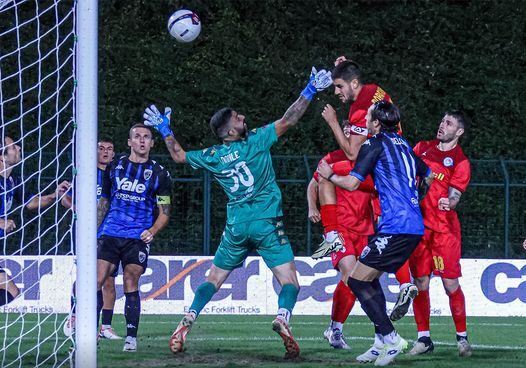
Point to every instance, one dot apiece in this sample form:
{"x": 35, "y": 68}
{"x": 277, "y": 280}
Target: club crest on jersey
{"x": 365, "y": 252}
{"x": 448, "y": 162}
{"x": 147, "y": 174}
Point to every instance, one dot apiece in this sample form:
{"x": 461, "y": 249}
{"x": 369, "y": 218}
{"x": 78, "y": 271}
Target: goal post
{"x": 48, "y": 109}
{"x": 86, "y": 51}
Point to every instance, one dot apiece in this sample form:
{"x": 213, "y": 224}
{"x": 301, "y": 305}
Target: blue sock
{"x": 100, "y": 303}
{"x": 372, "y": 299}
{"x": 203, "y": 295}
{"x": 132, "y": 312}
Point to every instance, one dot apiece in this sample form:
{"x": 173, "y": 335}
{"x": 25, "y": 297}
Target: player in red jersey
{"x": 356, "y": 218}
{"x": 347, "y": 80}
{"x": 439, "y": 250}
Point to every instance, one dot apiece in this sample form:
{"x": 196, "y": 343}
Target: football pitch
{"x": 248, "y": 341}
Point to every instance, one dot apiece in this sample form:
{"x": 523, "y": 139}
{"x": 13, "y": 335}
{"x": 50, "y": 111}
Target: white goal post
{"x": 48, "y": 107}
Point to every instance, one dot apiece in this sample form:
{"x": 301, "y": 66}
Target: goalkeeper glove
{"x": 161, "y": 122}
{"x": 318, "y": 81}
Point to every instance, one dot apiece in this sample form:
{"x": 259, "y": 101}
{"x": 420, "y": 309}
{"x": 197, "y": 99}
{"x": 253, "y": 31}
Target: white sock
{"x": 391, "y": 338}
{"x": 404, "y": 285}
{"x": 337, "y": 325}
{"x": 423, "y": 334}
{"x": 463, "y": 334}
{"x": 106, "y": 327}
{"x": 284, "y": 314}
{"x": 378, "y": 340}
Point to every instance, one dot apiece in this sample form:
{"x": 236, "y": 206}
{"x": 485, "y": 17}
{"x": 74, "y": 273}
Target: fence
{"x": 492, "y": 211}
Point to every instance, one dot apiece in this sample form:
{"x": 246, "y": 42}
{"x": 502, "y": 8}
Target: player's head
{"x": 228, "y": 125}
{"x": 105, "y": 151}
{"x": 452, "y": 126}
{"x": 347, "y": 80}
{"x": 382, "y": 116}
{"x": 10, "y": 152}
{"x": 140, "y": 140}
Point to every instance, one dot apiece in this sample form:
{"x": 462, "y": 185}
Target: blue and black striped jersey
{"x": 133, "y": 190}
{"x": 394, "y": 168}
{"x": 10, "y": 190}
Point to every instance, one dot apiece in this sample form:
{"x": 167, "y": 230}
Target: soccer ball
{"x": 184, "y": 25}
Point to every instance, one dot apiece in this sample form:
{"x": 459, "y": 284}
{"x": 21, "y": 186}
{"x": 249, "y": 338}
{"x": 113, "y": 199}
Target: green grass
{"x": 248, "y": 341}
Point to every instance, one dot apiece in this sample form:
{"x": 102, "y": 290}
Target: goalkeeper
{"x": 242, "y": 165}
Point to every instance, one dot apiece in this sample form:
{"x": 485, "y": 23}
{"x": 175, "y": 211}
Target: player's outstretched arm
{"x": 161, "y": 123}
{"x": 312, "y": 201}
{"x": 7, "y": 225}
{"x": 347, "y": 182}
{"x": 318, "y": 81}
{"x": 45, "y": 200}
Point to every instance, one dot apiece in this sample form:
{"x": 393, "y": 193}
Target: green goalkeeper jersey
{"x": 244, "y": 171}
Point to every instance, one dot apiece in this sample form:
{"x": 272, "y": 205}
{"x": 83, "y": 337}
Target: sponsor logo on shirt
{"x": 439, "y": 176}
{"x": 448, "y": 162}
{"x": 130, "y": 186}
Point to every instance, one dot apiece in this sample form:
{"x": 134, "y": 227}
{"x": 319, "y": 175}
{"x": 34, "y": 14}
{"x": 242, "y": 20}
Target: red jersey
{"x": 354, "y": 208}
{"x": 369, "y": 94}
{"x": 451, "y": 169}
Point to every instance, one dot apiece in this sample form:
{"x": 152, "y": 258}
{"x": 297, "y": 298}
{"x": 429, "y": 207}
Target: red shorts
{"x": 437, "y": 253}
{"x": 354, "y": 244}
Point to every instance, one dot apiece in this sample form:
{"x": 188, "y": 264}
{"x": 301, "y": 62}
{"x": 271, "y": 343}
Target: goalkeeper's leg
{"x": 286, "y": 275}
{"x": 203, "y": 295}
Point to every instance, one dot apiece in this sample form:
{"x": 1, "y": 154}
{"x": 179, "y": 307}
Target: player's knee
{"x": 422, "y": 283}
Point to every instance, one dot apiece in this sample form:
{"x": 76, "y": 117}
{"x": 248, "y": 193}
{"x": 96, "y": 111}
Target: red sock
{"x": 342, "y": 302}
{"x": 422, "y": 310}
{"x": 457, "y": 304}
{"x": 402, "y": 275}
{"x": 329, "y": 217}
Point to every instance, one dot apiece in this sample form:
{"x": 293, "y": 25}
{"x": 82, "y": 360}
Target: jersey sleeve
{"x": 264, "y": 137}
{"x": 367, "y": 158}
{"x": 106, "y": 183}
{"x": 358, "y": 123}
{"x": 461, "y": 177}
{"x": 421, "y": 167}
{"x": 418, "y": 149}
{"x": 164, "y": 191}
{"x": 201, "y": 159}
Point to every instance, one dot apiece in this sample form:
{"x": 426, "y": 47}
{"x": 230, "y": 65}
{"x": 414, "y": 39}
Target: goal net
{"x": 37, "y": 112}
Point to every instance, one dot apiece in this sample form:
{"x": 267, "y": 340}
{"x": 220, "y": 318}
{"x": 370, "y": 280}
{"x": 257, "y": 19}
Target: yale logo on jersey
{"x": 230, "y": 157}
{"x": 131, "y": 186}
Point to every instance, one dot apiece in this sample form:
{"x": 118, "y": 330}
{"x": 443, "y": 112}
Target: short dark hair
{"x": 219, "y": 121}
{"x": 106, "y": 139}
{"x": 461, "y": 118}
{"x": 387, "y": 114}
{"x": 347, "y": 70}
{"x": 139, "y": 125}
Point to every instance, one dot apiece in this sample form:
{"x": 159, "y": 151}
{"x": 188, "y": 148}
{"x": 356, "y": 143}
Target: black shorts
{"x": 388, "y": 252}
{"x": 123, "y": 250}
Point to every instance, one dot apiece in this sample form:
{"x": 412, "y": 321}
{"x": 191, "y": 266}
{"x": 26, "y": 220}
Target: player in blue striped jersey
{"x": 132, "y": 187}
{"x": 11, "y": 190}
{"x": 105, "y": 154}
{"x": 389, "y": 159}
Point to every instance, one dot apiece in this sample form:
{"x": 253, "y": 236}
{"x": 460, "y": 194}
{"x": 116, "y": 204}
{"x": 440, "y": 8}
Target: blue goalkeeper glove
{"x": 161, "y": 122}
{"x": 318, "y": 81}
